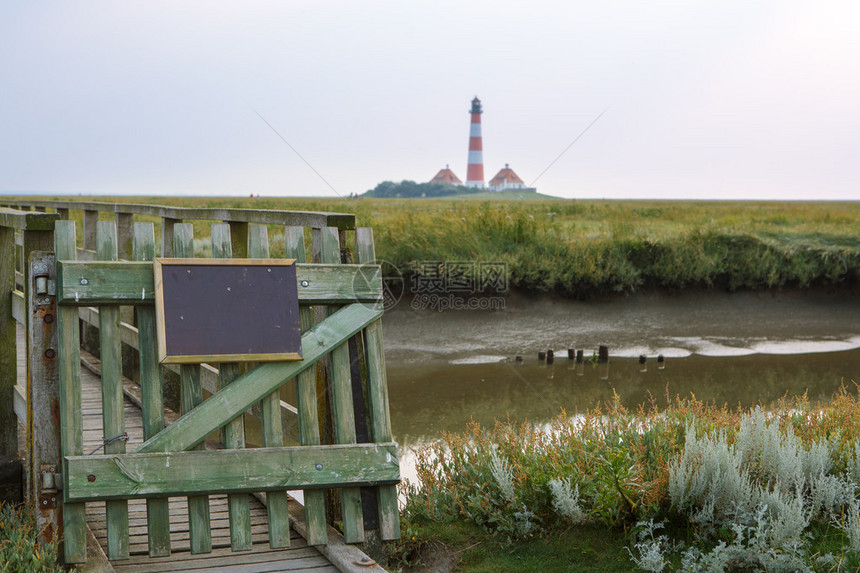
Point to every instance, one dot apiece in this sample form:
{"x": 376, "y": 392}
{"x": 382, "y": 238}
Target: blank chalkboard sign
{"x": 227, "y": 310}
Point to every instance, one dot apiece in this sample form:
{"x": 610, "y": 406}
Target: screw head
{"x": 84, "y": 281}
{"x": 305, "y": 283}
{"x": 319, "y": 467}
{"x": 91, "y": 478}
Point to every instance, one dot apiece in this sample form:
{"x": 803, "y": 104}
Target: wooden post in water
{"x": 661, "y": 362}
{"x": 580, "y": 362}
{"x": 571, "y": 353}
{"x": 541, "y": 355}
{"x": 550, "y": 356}
{"x": 603, "y": 359}
{"x": 643, "y": 363}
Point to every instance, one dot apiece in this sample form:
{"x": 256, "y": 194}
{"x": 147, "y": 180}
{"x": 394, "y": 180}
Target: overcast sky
{"x": 723, "y": 99}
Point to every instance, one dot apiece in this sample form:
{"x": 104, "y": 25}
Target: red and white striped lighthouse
{"x": 475, "y": 172}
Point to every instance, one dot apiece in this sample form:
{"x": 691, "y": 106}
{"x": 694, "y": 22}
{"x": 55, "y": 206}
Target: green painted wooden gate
{"x": 338, "y": 303}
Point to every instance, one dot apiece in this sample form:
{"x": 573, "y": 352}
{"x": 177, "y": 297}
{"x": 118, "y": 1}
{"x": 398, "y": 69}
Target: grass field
{"x": 593, "y": 248}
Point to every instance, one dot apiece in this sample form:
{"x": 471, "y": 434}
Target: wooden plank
{"x": 124, "y": 236}
{"x": 233, "y": 434}
{"x": 20, "y": 220}
{"x": 117, "y": 476}
{"x": 69, "y": 369}
{"x": 20, "y": 398}
{"x": 239, "y": 239}
{"x": 341, "y": 403}
{"x": 308, "y": 404}
{"x": 220, "y": 521}
{"x": 191, "y": 396}
{"x": 112, "y": 401}
{"x": 260, "y": 216}
{"x": 193, "y": 427}
{"x": 96, "y": 560}
{"x": 167, "y": 238}
{"x": 8, "y": 346}
{"x": 307, "y": 564}
{"x": 300, "y": 559}
{"x": 19, "y": 307}
{"x": 344, "y": 557}
{"x": 88, "y": 283}
{"x": 152, "y": 402}
{"x": 43, "y": 443}
{"x": 124, "y": 251}
{"x": 277, "y": 503}
{"x": 377, "y": 396}
{"x": 90, "y": 223}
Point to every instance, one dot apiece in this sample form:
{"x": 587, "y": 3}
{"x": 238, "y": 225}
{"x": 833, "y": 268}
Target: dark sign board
{"x": 227, "y": 310}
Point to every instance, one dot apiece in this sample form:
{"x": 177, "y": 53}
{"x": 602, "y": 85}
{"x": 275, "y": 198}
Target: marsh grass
{"x": 735, "y": 489}
{"x": 585, "y": 249}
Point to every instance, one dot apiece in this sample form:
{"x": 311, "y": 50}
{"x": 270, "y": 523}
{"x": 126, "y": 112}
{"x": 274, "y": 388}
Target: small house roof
{"x": 446, "y": 176}
{"x": 506, "y": 175}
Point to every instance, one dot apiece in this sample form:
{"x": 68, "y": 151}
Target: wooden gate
{"x": 340, "y": 308}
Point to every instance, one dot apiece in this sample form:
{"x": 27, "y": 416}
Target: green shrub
{"x": 19, "y": 542}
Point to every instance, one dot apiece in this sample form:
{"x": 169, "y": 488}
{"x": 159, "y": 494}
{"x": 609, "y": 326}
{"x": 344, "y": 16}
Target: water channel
{"x": 447, "y": 368}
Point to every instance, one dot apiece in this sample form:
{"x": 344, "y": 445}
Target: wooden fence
{"x": 340, "y": 386}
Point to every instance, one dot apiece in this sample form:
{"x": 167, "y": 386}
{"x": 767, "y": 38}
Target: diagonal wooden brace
{"x": 193, "y": 427}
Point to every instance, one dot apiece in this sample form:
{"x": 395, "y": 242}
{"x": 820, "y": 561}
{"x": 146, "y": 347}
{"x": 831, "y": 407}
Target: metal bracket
{"x": 44, "y": 279}
{"x": 52, "y": 483}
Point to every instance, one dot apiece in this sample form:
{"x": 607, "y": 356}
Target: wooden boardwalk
{"x": 299, "y": 557}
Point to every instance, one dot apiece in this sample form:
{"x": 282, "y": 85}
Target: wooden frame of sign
{"x": 227, "y": 310}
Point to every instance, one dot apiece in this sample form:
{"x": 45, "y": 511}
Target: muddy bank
{"x": 705, "y": 323}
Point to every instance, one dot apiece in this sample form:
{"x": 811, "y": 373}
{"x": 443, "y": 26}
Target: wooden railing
{"x": 124, "y": 214}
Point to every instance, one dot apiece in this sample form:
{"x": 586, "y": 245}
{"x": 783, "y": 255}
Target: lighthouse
{"x": 475, "y": 172}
